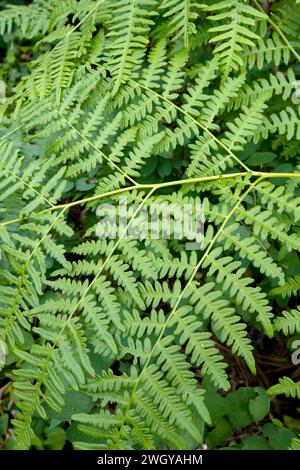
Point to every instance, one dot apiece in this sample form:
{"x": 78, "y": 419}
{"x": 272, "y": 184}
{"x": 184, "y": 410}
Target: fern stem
{"x": 266, "y": 175}
{"x": 12, "y": 131}
{"x": 98, "y": 3}
{"x": 154, "y": 186}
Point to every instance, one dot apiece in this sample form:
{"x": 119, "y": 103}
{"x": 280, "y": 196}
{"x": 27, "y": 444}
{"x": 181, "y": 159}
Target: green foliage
{"x": 289, "y": 388}
{"x": 120, "y": 344}
{"x": 239, "y": 421}
{"x": 236, "y": 25}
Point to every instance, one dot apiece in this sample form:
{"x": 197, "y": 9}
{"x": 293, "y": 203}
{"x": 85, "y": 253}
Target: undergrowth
{"x": 126, "y": 343}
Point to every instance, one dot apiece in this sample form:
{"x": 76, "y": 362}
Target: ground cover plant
{"x": 127, "y": 343}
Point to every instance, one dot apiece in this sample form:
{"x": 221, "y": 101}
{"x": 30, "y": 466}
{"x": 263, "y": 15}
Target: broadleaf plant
{"x": 171, "y": 102}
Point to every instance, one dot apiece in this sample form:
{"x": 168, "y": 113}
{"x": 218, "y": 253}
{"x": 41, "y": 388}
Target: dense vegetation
{"x": 144, "y": 344}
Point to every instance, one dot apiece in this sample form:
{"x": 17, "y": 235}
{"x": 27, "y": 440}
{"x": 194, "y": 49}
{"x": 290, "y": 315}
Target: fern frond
{"x": 236, "y": 29}
{"x": 289, "y": 288}
{"x": 286, "y": 387}
{"x": 289, "y": 323}
{"x": 271, "y": 50}
{"x": 180, "y": 15}
{"x": 286, "y": 122}
{"x": 127, "y": 39}
{"x": 165, "y": 103}
{"x": 250, "y": 249}
{"x": 295, "y": 445}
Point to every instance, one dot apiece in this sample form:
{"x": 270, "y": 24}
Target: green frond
{"x": 286, "y": 387}
{"x": 236, "y": 24}
{"x": 249, "y": 248}
{"x": 195, "y": 98}
{"x": 230, "y": 276}
{"x": 30, "y": 21}
{"x": 270, "y": 50}
{"x": 287, "y": 121}
{"x": 200, "y": 346}
{"x": 180, "y": 15}
{"x": 276, "y": 198}
{"x": 289, "y": 288}
{"x": 129, "y": 25}
{"x": 287, "y": 17}
{"x": 295, "y": 445}
{"x": 279, "y": 83}
{"x": 246, "y": 125}
{"x": 156, "y": 63}
{"x": 265, "y": 225}
{"x": 288, "y": 323}
{"x": 177, "y": 104}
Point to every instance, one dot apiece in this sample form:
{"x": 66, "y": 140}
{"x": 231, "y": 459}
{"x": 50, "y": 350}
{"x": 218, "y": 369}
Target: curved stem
{"x": 156, "y": 186}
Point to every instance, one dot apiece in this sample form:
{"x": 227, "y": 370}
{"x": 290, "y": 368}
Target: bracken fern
{"x": 113, "y": 88}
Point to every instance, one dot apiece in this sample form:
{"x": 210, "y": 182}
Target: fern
{"x": 181, "y": 16}
{"x": 289, "y": 288}
{"x": 286, "y": 387}
{"x": 127, "y": 38}
{"x": 289, "y": 322}
{"x": 146, "y": 100}
{"x": 234, "y": 36}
